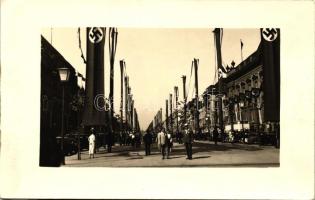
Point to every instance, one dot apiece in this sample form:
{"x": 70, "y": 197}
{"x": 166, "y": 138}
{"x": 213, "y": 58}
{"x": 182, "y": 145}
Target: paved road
{"x": 205, "y": 154}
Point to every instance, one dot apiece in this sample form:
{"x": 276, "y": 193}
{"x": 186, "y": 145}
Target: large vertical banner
{"x": 270, "y": 38}
{"x": 121, "y": 89}
{"x": 94, "y": 111}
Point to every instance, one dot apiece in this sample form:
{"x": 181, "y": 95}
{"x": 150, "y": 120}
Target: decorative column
{"x": 171, "y": 114}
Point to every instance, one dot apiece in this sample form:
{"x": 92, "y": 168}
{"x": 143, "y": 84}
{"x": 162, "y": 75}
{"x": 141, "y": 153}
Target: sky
{"x": 156, "y": 59}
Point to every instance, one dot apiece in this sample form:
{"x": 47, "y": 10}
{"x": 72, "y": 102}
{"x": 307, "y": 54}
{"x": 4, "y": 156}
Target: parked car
{"x": 69, "y": 145}
{"x": 84, "y": 144}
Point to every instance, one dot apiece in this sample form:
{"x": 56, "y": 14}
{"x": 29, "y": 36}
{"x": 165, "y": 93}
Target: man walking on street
{"x": 147, "y": 142}
{"x": 188, "y": 139}
{"x": 168, "y": 144}
{"x": 109, "y": 141}
{"x": 161, "y": 141}
{"x": 215, "y": 135}
{"x": 91, "y": 143}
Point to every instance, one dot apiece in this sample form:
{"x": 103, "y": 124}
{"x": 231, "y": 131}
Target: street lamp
{"x": 64, "y": 77}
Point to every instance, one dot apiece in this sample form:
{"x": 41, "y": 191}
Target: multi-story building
{"x": 243, "y": 100}
{"x": 51, "y": 102}
{"x": 244, "y": 97}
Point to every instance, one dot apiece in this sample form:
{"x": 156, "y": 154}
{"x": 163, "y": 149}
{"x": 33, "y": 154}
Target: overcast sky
{"x": 156, "y": 59}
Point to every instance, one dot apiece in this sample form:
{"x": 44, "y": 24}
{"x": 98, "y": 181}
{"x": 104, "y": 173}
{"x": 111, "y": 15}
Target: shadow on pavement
{"x": 134, "y": 158}
{"x": 203, "y": 147}
{"x": 200, "y": 157}
{"x": 173, "y": 157}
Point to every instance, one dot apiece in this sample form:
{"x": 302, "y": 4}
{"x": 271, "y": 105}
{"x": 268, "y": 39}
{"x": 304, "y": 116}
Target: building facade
{"x": 51, "y": 103}
{"x": 243, "y": 100}
{"x": 243, "y": 95}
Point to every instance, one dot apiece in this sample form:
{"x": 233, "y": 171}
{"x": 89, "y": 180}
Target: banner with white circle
{"x": 96, "y": 35}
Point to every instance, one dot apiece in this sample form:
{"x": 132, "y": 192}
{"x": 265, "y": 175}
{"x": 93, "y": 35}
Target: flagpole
{"x": 51, "y": 30}
{"x": 241, "y": 50}
{"x": 218, "y": 32}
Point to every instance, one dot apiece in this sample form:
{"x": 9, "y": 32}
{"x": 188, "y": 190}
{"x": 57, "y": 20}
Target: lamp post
{"x": 64, "y": 77}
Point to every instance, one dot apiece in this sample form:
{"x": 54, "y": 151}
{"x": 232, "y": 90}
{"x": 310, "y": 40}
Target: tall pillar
{"x": 166, "y": 115}
{"x": 126, "y": 100}
{"x": 176, "y": 108}
{"x": 185, "y": 98}
{"x": 171, "y": 113}
{"x": 112, "y": 52}
{"x": 197, "y": 130}
{"x": 218, "y": 37}
{"x": 132, "y": 115}
{"x": 121, "y": 93}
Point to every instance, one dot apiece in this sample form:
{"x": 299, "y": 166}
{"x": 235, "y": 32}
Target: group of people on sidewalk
{"x": 165, "y": 142}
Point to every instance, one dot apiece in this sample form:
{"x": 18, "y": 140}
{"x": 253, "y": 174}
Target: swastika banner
{"x": 270, "y": 38}
{"x": 94, "y": 111}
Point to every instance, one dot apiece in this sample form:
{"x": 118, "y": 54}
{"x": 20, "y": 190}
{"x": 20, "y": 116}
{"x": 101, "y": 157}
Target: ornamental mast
{"x": 218, "y": 33}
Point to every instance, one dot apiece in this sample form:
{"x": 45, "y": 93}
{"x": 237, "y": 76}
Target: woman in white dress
{"x": 91, "y": 143}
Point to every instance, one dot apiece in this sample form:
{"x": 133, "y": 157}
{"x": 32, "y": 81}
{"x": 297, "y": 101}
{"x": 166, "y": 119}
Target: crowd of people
{"x": 108, "y": 140}
{"x": 163, "y": 140}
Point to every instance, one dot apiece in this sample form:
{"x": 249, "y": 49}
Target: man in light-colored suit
{"x": 161, "y": 142}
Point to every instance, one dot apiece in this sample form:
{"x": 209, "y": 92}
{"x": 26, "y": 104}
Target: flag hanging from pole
{"x": 270, "y": 44}
{"x": 112, "y": 52}
{"x": 241, "y": 49}
{"x": 218, "y": 33}
{"x": 94, "y": 111}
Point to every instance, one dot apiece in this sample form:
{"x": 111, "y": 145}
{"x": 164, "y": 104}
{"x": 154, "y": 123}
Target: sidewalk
{"x": 205, "y": 154}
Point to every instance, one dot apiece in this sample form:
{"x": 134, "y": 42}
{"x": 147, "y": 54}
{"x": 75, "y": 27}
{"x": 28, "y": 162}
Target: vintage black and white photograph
{"x": 159, "y": 97}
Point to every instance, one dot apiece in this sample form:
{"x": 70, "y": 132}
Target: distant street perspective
{"x": 153, "y": 97}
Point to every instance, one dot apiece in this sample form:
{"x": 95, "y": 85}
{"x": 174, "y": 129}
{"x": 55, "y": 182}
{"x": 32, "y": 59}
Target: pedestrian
{"x": 161, "y": 142}
{"x": 188, "y": 139}
{"x": 128, "y": 138}
{"x": 109, "y": 141}
{"x": 147, "y": 142}
{"x": 158, "y": 143}
{"x": 180, "y": 136}
{"x": 133, "y": 141}
{"x": 233, "y": 139}
{"x": 223, "y": 136}
{"x": 120, "y": 138}
{"x": 91, "y": 140}
{"x": 168, "y": 144}
{"x": 215, "y": 135}
{"x": 137, "y": 139}
{"x": 243, "y": 135}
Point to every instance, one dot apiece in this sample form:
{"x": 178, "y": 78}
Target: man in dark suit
{"x": 215, "y": 135}
{"x": 109, "y": 141}
{"x": 188, "y": 139}
{"x": 147, "y": 138}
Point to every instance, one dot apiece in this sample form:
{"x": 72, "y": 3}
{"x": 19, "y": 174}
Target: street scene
{"x": 154, "y": 97}
{"x": 205, "y": 154}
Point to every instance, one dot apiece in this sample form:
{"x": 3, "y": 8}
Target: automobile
{"x": 84, "y": 144}
{"x": 69, "y": 145}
